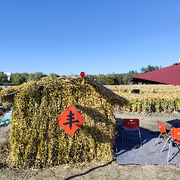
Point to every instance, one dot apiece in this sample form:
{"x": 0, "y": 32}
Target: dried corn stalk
{"x": 37, "y": 140}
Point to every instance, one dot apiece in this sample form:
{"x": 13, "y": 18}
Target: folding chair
{"x": 131, "y": 125}
{"x": 175, "y": 138}
{"x": 162, "y": 131}
{"x": 169, "y": 138}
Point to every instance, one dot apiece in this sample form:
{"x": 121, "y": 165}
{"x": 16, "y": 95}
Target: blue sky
{"x": 97, "y": 37}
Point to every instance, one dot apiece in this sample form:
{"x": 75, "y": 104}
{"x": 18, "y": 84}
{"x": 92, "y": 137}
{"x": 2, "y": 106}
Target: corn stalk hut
{"x": 36, "y": 140}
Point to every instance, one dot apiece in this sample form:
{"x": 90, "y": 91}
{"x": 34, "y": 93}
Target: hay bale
{"x": 37, "y": 140}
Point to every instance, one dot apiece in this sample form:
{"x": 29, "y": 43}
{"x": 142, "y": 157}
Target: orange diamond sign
{"x": 70, "y": 120}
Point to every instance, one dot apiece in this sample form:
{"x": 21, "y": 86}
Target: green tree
{"x": 101, "y": 78}
{"x": 16, "y": 79}
{"x": 93, "y": 77}
{"x": 127, "y": 78}
{"x": 118, "y": 79}
{"x": 3, "y": 78}
{"x": 25, "y": 77}
{"x": 149, "y": 68}
{"x": 110, "y": 79}
{"x": 36, "y": 76}
{"x": 53, "y": 75}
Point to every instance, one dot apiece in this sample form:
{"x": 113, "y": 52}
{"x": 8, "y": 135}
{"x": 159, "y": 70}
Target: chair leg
{"x": 140, "y": 136}
{"x": 165, "y": 144}
{"x": 169, "y": 151}
{"x": 122, "y": 136}
{"x": 157, "y": 139}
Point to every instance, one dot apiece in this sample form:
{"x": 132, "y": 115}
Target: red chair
{"x": 162, "y": 131}
{"x": 169, "y": 138}
{"x": 131, "y": 125}
{"x": 175, "y": 138}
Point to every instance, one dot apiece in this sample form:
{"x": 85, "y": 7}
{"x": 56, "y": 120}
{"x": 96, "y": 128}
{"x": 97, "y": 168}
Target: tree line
{"x": 19, "y": 78}
{"x": 109, "y": 79}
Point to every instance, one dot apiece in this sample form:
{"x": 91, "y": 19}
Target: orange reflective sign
{"x": 70, "y": 120}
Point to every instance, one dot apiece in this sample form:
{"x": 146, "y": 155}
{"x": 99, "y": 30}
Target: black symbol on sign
{"x": 70, "y": 119}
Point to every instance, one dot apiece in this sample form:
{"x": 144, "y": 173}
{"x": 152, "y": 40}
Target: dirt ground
{"x": 103, "y": 170}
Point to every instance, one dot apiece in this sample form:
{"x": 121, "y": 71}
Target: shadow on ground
{"x": 92, "y": 169}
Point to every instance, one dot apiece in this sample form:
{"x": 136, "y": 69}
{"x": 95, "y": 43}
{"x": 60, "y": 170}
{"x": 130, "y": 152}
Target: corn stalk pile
{"x": 36, "y": 140}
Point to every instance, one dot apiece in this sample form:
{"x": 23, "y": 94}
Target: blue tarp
{"x": 7, "y": 115}
{"x": 6, "y": 119}
{"x": 131, "y": 152}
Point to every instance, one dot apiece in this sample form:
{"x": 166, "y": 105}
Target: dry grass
{"x": 37, "y": 140}
{"x": 146, "y": 88}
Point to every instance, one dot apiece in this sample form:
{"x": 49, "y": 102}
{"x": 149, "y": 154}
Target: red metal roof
{"x": 167, "y": 75}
